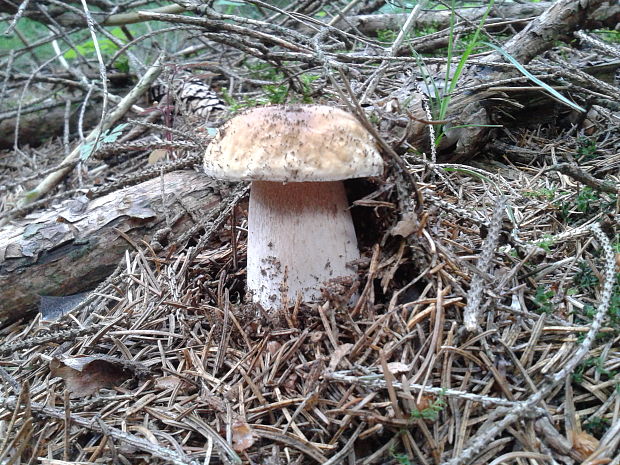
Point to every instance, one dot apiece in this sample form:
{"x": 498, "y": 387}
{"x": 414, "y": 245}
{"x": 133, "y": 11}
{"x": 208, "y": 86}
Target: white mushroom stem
{"x": 301, "y": 233}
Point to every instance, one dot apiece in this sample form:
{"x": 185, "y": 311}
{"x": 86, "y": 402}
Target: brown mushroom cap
{"x": 293, "y": 143}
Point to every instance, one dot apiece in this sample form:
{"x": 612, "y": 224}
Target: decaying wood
{"x": 74, "y": 246}
{"x": 471, "y": 114}
{"x": 607, "y": 15}
{"x": 39, "y": 126}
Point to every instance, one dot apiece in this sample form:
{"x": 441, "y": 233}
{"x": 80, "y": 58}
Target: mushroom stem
{"x": 300, "y": 234}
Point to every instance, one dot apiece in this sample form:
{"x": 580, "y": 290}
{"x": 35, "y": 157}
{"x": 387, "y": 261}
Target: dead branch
{"x": 119, "y": 111}
{"x": 604, "y": 16}
{"x": 75, "y": 246}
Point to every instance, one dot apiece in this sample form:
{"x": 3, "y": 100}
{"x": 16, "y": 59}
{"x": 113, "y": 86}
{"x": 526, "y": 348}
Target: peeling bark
{"x": 607, "y": 15}
{"x": 74, "y": 246}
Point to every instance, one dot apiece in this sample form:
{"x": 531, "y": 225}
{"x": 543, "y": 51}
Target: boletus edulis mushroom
{"x": 300, "y": 231}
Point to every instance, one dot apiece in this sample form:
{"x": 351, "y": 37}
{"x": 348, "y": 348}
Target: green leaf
{"x": 86, "y": 151}
{"x": 107, "y": 137}
{"x": 113, "y": 134}
{"x": 533, "y": 78}
{"x": 122, "y": 64}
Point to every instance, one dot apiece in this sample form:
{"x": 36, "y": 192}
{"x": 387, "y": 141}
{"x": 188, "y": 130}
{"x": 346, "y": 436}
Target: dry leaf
{"x": 424, "y": 402}
{"x": 396, "y": 368}
{"x": 84, "y": 376}
{"x": 291, "y": 380}
{"x": 53, "y": 307}
{"x": 338, "y": 355}
{"x": 157, "y": 155}
{"x": 584, "y": 444}
{"x": 407, "y": 226}
{"x": 171, "y": 382}
{"x": 243, "y": 436}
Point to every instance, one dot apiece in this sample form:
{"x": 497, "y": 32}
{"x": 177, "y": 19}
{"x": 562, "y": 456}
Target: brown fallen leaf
{"x": 290, "y": 381}
{"x": 171, "y": 382}
{"x": 84, "y": 376}
{"x": 584, "y": 444}
{"x": 338, "y": 355}
{"x": 157, "y": 155}
{"x": 243, "y": 437}
{"x": 408, "y": 225}
{"x": 396, "y": 368}
{"x": 424, "y": 402}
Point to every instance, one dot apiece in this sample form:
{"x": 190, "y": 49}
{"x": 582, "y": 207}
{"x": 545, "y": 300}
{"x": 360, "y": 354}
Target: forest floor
{"x": 487, "y": 323}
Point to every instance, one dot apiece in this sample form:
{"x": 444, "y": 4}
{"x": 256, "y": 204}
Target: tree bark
{"x": 37, "y": 127}
{"x": 59, "y": 14}
{"x": 608, "y": 15}
{"x": 75, "y": 246}
{"x": 471, "y": 114}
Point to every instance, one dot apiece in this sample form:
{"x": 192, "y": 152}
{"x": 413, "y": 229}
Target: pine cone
{"x": 190, "y": 97}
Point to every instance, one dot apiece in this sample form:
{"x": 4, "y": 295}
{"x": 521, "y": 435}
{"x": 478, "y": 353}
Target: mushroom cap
{"x": 293, "y": 143}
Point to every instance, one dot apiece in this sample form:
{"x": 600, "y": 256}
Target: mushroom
{"x": 300, "y": 231}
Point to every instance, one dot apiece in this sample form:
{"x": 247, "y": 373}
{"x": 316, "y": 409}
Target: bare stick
{"x": 52, "y": 180}
{"x": 478, "y": 442}
{"x": 474, "y": 297}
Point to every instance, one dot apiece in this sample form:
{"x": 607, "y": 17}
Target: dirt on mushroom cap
{"x": 293, "y": 143}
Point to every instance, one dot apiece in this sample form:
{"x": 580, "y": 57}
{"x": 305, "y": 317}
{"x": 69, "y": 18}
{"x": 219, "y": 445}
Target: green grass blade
{"x": 463, "y": 61}
{"x": 533, "y": 78}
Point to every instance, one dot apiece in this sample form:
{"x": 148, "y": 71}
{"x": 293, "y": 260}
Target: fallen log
{"x": 74, "y": 246}
{"x": 37, "y": 127}
{"x": 606, "y": 15}
{"x": 471, "y": 114}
